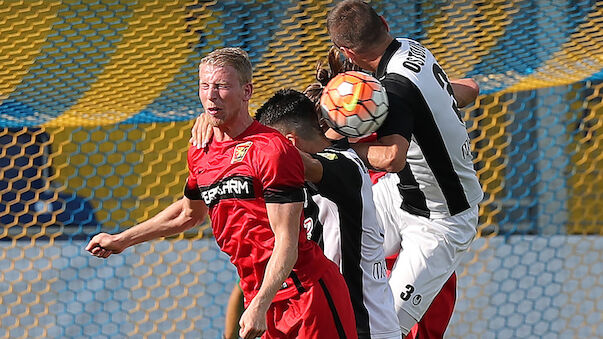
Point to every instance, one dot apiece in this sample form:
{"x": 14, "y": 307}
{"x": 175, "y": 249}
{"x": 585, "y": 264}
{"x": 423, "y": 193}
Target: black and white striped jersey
{"x": 439, "y": 179}
{"x": 340, "y": 215}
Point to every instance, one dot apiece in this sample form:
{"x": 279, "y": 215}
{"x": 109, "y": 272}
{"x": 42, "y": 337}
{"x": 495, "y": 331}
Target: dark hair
{"x": 289, "y": 110}
{"x": 337, "y": 65}
{"x": 355, "y": 24}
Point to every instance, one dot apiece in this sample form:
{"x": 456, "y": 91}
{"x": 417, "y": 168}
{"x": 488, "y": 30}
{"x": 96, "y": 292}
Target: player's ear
{"x": 347, "y": 53}
{"x": 291, "y": 137}
{"x": 384, "y": 22}
{"x": 248, "y": 91}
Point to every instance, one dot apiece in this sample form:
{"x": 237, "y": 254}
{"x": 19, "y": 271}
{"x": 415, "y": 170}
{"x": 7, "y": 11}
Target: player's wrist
{"x": 121, "y": 241}
{"x": 259, "y": 304}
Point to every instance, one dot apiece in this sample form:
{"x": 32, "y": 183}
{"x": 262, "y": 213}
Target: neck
{"x": 374, "y": 59}
{"x": 229, "y": 131}
{"x": 317, "y": 144}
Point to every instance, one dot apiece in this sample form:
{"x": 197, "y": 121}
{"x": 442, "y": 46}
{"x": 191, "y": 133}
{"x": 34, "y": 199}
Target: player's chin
{"x": 215, "y": 121}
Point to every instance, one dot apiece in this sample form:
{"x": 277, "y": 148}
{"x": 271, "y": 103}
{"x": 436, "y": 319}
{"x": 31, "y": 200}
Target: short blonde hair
{"x": 234, "y": 57}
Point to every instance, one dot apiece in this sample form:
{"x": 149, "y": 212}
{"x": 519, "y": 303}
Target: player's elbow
{"x": 293, "y": 257}
{"x": 472, "y": 85}
{"x": 473, "y": 89}
{"x": 394, "y": 160}
{"x": 465, "y": 91}
{"x": 395, "y": 166}
{"x": 189, "y": 218}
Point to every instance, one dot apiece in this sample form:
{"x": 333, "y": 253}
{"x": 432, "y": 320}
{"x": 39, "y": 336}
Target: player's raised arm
{"x": 313, "y": 169}
{"x": 176, "y": 218}
{"x": 386, "y": 154}
{"x": 465, "y": 91}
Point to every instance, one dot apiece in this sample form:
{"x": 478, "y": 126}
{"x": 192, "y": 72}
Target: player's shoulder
{"x": 264, "y": 135}
{"x": 337, "y": 150}
{"x": 340, "y": 157}
{"x": 410, "y": 59}
{"x": 410, "y": 44}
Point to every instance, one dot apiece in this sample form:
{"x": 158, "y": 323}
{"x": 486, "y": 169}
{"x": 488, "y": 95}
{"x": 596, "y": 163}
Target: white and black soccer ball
{"x": 354, "y": 104}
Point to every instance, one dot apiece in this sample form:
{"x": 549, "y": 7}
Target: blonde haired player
{"x": 250, "y": 180}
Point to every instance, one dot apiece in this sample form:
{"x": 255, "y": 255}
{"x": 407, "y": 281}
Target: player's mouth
{"x": 213, "y": 110}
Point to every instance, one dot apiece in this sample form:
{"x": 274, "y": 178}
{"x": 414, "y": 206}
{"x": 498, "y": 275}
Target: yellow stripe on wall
{"x": 24, "y": 27}
{"x": 579, "y": 58}
{"x": 153, "y": 48}
{"x": 460, "y": 34}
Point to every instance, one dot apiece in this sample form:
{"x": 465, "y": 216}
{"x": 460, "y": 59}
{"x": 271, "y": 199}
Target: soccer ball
{"x": 354, "y": 104}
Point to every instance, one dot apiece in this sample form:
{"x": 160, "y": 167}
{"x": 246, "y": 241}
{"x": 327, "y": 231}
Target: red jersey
{"x": 236, "y": 179}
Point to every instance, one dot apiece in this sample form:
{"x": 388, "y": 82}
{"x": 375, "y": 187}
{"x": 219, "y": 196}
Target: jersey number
{"x": 405, "y": 295}
{"x": 442, "y": 79}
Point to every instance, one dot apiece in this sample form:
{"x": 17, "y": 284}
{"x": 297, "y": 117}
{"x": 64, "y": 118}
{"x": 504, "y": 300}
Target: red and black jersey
{"x": 236, "y": 179}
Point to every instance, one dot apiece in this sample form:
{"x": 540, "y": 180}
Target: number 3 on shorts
{"x": 405, "y": 295}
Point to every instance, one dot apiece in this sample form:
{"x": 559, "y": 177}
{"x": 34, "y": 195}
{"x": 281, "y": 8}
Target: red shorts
{"x": 435, "y": 321}
{"x": 322, "y": 310}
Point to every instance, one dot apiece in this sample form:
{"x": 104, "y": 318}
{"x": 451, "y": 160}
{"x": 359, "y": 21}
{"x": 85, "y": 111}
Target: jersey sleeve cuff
{"x": 192, "y": 193}
{"x": 284, "y": 195}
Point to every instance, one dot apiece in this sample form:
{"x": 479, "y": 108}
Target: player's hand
{"x": 202, "y": 132}
{"x": 253, "y": 323}
{"x": 103, "y": 245}
{"x": 332, "y": 135}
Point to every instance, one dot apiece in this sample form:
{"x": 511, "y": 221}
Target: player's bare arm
{"x": 465, "y": 91}
{"x": 176, "y": 218}
{"x": 284, "y": 221}
{"x": 386, "y": 154}
{"x": 312, "y": 168}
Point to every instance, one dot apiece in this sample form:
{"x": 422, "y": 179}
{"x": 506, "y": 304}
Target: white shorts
{"x": 429, "y": 249}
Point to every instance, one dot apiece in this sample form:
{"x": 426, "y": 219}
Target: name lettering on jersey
{"x": 416, "y": 57}
{"x": 239, "y": 151}
{"x": 237, "y": 187}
